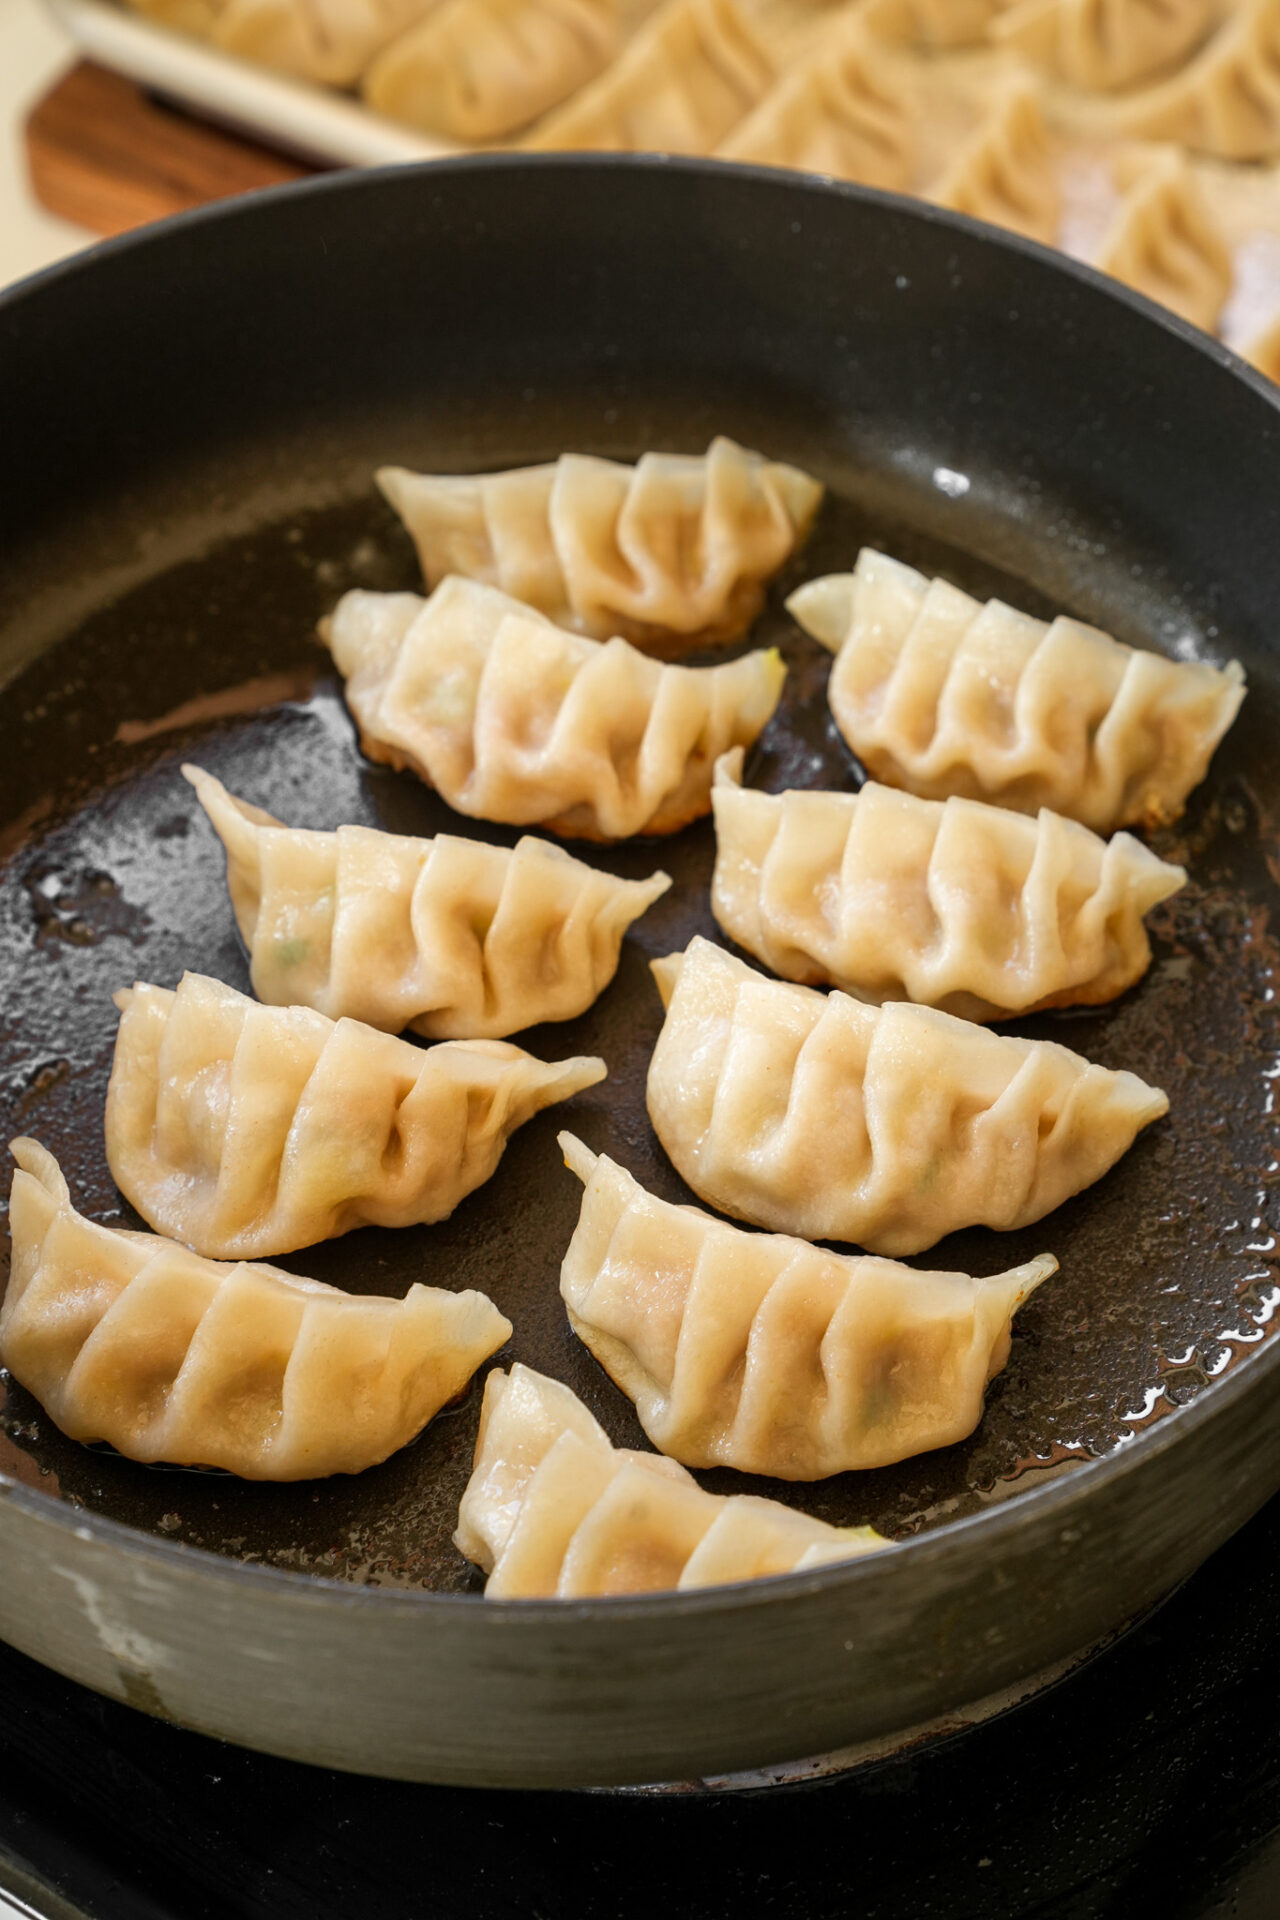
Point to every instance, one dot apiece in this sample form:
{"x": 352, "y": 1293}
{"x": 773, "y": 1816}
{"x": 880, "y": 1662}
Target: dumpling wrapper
{"x": 954, "y": 904}
{"x": 887, "y": 1127}
{"x": 670, "y": 554}
{"x": 553, "y": 1510}
{"x": 687, "y": 78}
{"x": 129, "y": 1339}
{"x": 942, "y": 695}
{"x": 245, "y": 1130}
{"x": 511, "y": 718}
{"x": 478, "y": 70}
{"x": 760, "y": 1352}
{"x": 453, "y": 938}
{"x": 1104, "y": 45}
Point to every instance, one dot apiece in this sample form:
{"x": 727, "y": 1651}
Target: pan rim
{"x": 1255, "y": 1373}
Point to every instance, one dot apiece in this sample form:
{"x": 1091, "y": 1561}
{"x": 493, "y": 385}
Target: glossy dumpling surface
{"x": 513, "y": 719}
{"x": 127, "y": 1338}
{"x": 553, "y": 1510}
{"x": 244, "y": 1130}
{"x": 942, "y": 695}
{"x": 670, "y": 554}
{"x": 884, "y": 1126}
{"x": 761, "y": 1352}
{"x": 954, "y": 904}
{"x": 454, "y": 938}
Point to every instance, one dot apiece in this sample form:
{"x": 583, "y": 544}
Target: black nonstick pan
{"x": 190, "y": 423}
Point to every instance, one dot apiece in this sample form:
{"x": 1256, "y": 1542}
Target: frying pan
{"x": 191, "y": 420}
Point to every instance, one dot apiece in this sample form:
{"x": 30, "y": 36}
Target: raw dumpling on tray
{"x": 129, "y": 1339}
{"x": 942, "y": 695}
{"x": 553, "y": 1510}
{"x": 454, "y": 938}
{"x": 670, "y": 554}
{"x": 761, "y": 1352}
{"x": 244, "y": 1130}
{"x": 513, "y": 719}
{"x": 887, "y": 1127}
{"x": 954, "y": 904}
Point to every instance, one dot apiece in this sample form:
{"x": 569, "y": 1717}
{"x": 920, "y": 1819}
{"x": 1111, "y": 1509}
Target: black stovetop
{"x": 1148, "y": 1783}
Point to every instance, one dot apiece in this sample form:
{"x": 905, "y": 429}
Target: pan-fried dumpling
{"x": 941, "y": 695}
{"x": 126, "y": 1338}
{"x": 972, "y": 909}
{"x": 689, "y": 75}
{"x": 1005, "y": 172}
{"x": 454, "y": 938}
{"x": 553, "y": 1510}
{"x": 671, "y": 554}
{"x": 845, "y": 111}
{"x": 1105, "y": 44}
{"x": 888, "y": 1126}
{"x": 760, "y": 1352}
{"x": 481, "y": 69}
{"x": 328, "y": 40}
{"x": 244, "y": 1130}
{"x": 513, "y": 719}
{"x": 1226, "y": 101}
{"x": 1163, "y": 240}
{"x": 933, "y": 23}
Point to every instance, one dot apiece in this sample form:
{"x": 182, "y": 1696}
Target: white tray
{"x": 310, "y": 121}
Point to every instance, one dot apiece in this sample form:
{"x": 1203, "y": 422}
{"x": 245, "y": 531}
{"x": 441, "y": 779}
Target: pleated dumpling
{"x": 688, "y": 76}
{"x": 933, "y": 23}
{"x": 846, "y": 110}
{"x": 1006, "y": 172}
{"x": 481, "y": 69}
{"x": 511, "y": 718}
{"x": 1105, "y": 44}
{"x": 553, "y": 1510}
{"x": 327, "y": 40}
{"x": 127, "y": 1338}
{"x": 244, "y": 1130}
{"x": 972, "y": 909}
{"x": 671, "y": 554}
{"x": 941, "y": 695}
{"x": 1163, "y": 239}
{"x": 888, "y": 1127}
{"x": 1226, "y": 100}
{"x": 761, "y": 1352}
{"x": 453, "y": 938}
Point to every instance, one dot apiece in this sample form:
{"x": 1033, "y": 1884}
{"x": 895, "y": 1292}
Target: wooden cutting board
{"x": 106, "y": 155}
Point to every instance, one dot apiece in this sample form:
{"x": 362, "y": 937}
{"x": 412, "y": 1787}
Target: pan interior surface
{"x": 196, "y": 642}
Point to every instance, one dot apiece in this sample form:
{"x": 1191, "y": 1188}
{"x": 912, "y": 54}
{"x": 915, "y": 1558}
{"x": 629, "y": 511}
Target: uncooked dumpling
{"x": 552, "y": 1509}
{"x": 513, "y": 719}
{"x": 454, "y": 938}
{"x": 888, "y": 1126}
{"x": 690, "y": 74}
{"x": 941, "y": 695}
{"x": 481, "y": 69}
{"x": 761, "y": 1352}
{"x": 1105, "y": 44}
{"x": 127, "y": 1338}
{"x": 1163, "y": 240}
{"x": 1006, "y": 172}
{"x": 671, "y": 554}
{"x": 972, "y": 909}
{"x": 1225, "y": 101}
{"x": 244, "y": 1130}
{"x": 845, "y": 111}
{"x": 328, "y": 40}
{"x": 933, "y": 23}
